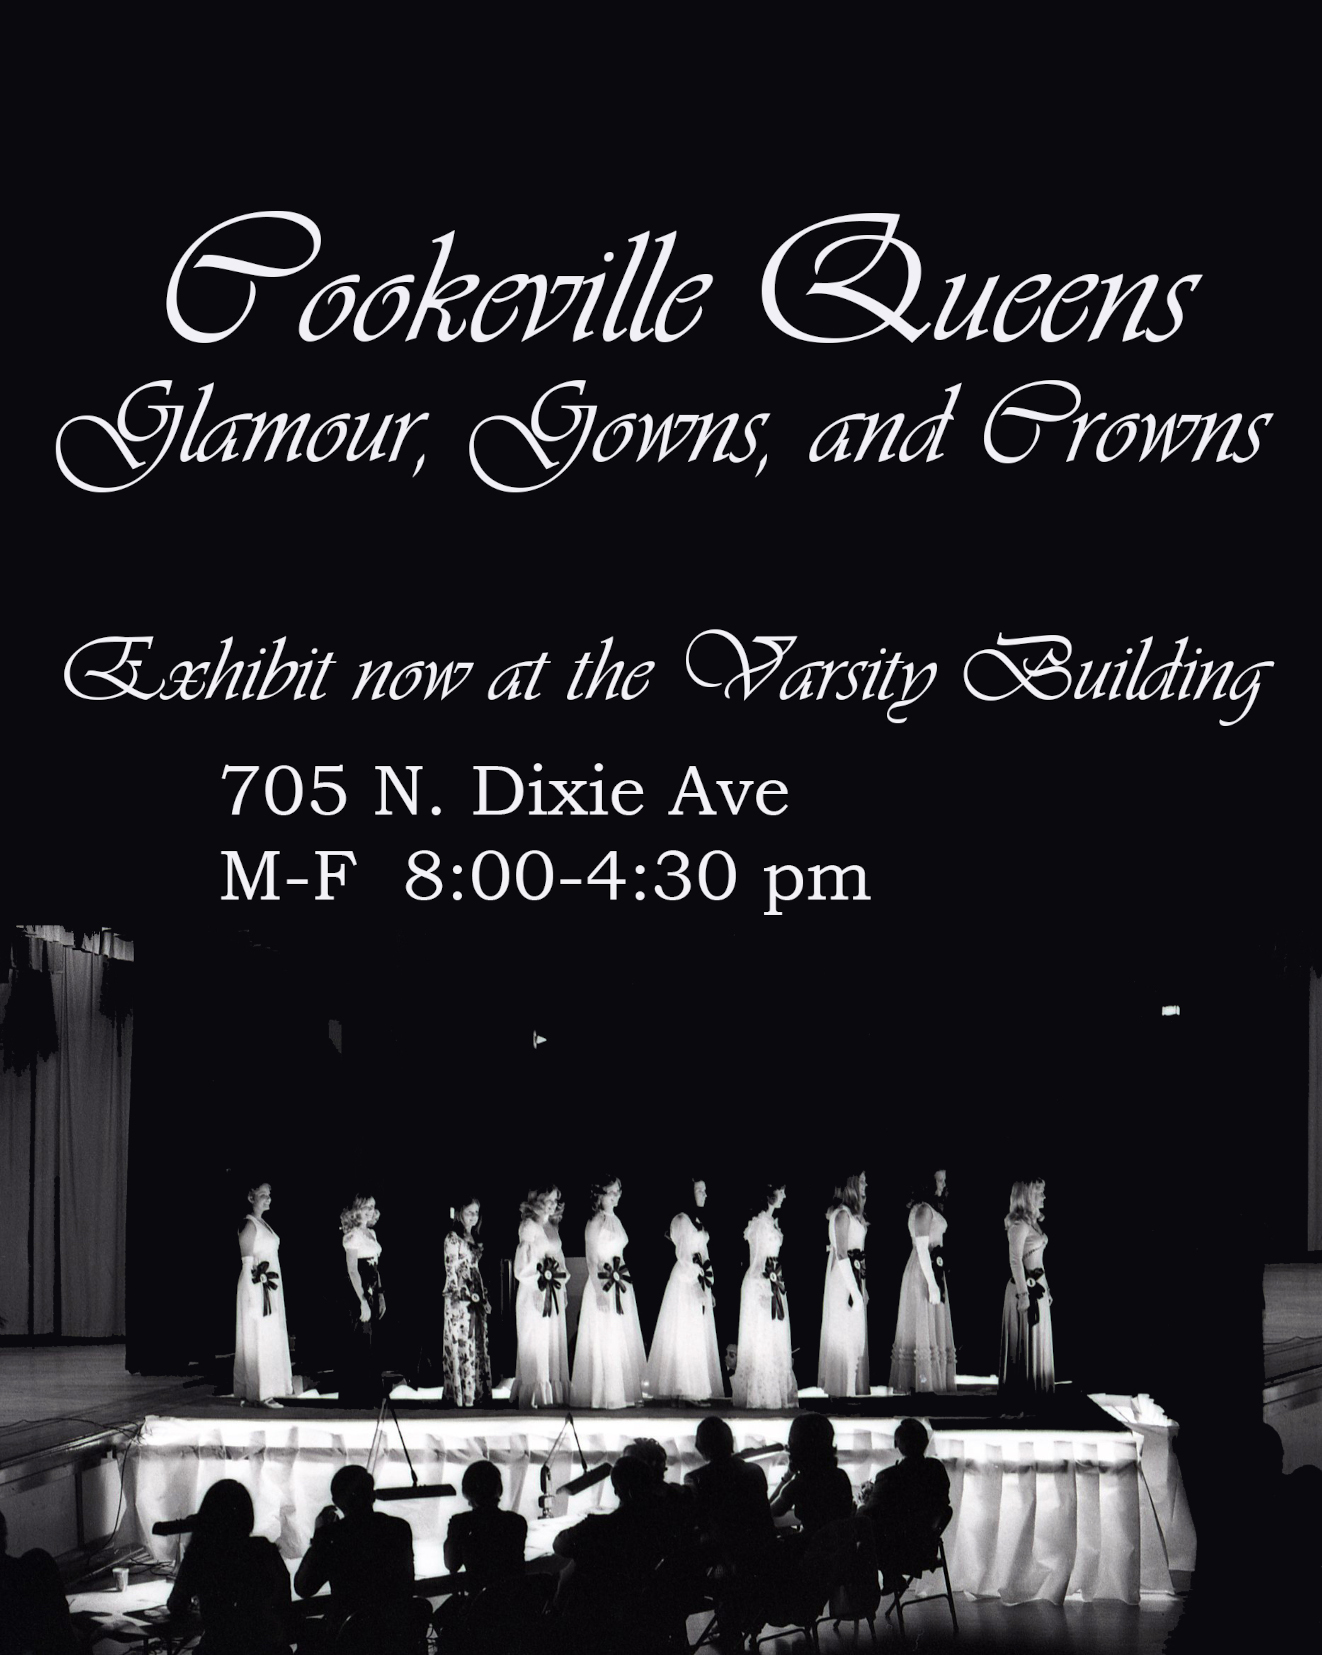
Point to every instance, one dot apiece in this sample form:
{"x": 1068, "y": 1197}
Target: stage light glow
{"x": 1170, "y": 1011}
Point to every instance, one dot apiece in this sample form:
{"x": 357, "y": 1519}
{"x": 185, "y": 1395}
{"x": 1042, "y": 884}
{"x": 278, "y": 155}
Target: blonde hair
{"x": 1022, "y": 1204}
{"x": 528, "y": 1208}
{"x": 353, "y": 1214}
{"x": 849, "y": 1195}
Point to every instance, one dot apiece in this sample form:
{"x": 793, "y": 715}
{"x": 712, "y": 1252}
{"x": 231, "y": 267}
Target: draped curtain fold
{"x": 63, "y": 1190}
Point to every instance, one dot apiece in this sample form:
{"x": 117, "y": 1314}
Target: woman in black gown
{"x": 364, "y": 1358}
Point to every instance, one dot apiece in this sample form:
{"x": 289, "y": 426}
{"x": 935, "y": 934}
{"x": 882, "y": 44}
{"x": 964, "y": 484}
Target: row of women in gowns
{"x": 611, "y": 1366}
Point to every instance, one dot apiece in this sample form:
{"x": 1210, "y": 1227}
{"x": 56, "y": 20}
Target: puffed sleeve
{"x": 598, "y": 1248}
{"x": 532, "y": 1244}
{"x": 840, "y": 1232}
{"x": 920, "y": 1220}
{"x": 756, "y": 1237}
{"x": 1017, "y": 1237}
{"x": 453, "y": 1253}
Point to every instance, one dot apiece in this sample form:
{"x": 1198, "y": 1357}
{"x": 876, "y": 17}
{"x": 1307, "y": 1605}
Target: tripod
{"x": 387, "y": 1406}
{"x": 544, "y": 1503}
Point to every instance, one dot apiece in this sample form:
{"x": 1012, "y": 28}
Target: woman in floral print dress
{"x": 465, "y": 1360}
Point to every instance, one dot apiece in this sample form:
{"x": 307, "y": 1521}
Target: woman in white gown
{"x": 923, "y": 1354}
{"x": 609, "y": 1359}
{"x": 1028, "y": 1360}
{"x": 842, "y": 1363}
{"x": 764, "y": 1369}
{"x": 541, "y": 1373}
{"x": 685, "y": 1361}
{"x": 261, "y": 1337}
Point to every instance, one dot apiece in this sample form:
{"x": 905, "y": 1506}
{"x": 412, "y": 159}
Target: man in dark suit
{"x": 366, "y": 1556}
{"x": 909, "y": 1504}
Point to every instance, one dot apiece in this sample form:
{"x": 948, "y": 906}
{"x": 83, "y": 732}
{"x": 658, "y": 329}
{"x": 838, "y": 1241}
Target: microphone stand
{"x": 386, "y": 1403}
{"x": 568, "y": 1425}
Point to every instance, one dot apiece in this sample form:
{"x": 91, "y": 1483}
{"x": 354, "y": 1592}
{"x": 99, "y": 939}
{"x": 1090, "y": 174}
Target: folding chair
{"x": 858, "y": 1597}
{"x": 913, "y": 1571}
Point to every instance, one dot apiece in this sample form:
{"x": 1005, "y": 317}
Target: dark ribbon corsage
{"x": 706, "y": 1278}
{"x": 771, "y": 1270}
{"x": 268, "y": 1280}
{"x": 615, "y": 1275}
{"x": 1037, "y": 1290}
{"x": 550, "y": 1275}
{"x": 939, "y": 1271}
{"x": 860, "y": 1268}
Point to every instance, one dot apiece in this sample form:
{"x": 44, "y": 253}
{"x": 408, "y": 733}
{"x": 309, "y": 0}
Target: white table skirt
{"x": 1039, "y": 1515}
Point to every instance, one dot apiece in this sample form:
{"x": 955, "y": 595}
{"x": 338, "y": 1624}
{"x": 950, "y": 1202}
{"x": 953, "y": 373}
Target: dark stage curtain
{"x": 1314, "y": 1112}
{"x": 66, "y": 1050}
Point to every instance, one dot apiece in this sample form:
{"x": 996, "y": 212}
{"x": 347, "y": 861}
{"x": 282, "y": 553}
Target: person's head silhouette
{"x": 483, "y": 1485}
{"x": 353, "y": 1490}
{"x": 911, "y": 1439}
{"x": 715, "y": 1440}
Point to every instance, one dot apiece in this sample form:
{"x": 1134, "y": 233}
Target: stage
{"x": 1080, "y": 1501}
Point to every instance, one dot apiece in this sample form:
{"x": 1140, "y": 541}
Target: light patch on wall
{"x": 1170, "y": 1011}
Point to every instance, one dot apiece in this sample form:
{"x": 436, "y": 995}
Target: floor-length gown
{"x": 261, "y": 1336}
{"x": 842, "y": 1364}
{"x": 541, "y": 1372}
{"x": 923, "y": 1354}
{"x": 465, "y": 1360}
{"x": 364, "y": 1358}
{"x": 609, "y": 1358}
{"x": 685, "y": 1361}
{"x": 1028, "y": 1363}
{"x": 764, "y": 1373}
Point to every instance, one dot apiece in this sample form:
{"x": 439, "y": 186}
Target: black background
{"x": 1043, "y": 877}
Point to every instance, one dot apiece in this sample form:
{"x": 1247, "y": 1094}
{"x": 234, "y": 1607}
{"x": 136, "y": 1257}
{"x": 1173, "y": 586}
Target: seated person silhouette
{"x": 734, "y": 1516}
{"x": 487, "y": 1544}
{"x": 909, "y": 1505}
{"x": 817, "y": 1490}
{"x": 34, "y": 1613}
{"x": 682, "y": 1585}
{"x": 602, "y": 1599}
{"x": 812, "y": 1559}
{"x": 677, "y": 1510}
{"x": 736, "y": 1532}
{"x": 368, "y": 1559}
{"x": 238, "y": 1580}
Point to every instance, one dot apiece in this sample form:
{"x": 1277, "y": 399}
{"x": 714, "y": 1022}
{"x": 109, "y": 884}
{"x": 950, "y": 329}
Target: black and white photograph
{"x": 705, "y": 777}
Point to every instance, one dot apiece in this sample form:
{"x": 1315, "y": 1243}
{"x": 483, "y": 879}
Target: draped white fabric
{"x": 1168, "y": 1522}
{"x": 1038, "y": 1515}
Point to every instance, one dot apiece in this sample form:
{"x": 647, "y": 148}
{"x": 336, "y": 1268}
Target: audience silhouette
{"x": 736, "y": 1532}
{"x": 817, "y": 1491}
{"x": 603, "y": 1600}
{"x": 34, "y": 1615}
{"x": 367, "y": 1558}
{"x": 500, "y": 1608}
{"x": 908, "y": 1504}
{"x": 237, "y": 1579}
